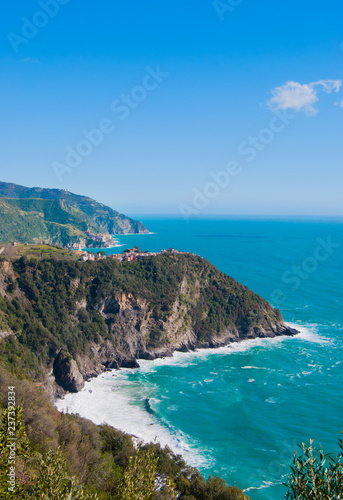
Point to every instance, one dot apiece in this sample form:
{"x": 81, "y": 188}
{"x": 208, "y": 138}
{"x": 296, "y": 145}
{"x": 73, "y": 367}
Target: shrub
{"x": 315, "y": 475}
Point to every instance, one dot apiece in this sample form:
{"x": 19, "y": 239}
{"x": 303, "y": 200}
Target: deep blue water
{"x": 240, "y": 412}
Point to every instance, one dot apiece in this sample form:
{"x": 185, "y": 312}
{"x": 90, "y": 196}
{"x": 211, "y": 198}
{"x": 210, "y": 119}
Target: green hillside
{"x": 63, "y": 321}
{"x": 33, "y": 215}
{"x": 53, "y": 312}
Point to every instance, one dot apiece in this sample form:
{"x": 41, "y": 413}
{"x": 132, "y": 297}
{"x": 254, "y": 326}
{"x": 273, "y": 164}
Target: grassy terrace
{"x": 11, "y": 252}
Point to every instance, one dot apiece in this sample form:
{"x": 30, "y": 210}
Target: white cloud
{"x": 298, "y": 96}
{"x": 30, "y": 60}
{"x": 340, "y": 104}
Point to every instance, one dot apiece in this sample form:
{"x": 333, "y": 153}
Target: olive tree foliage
{"x": 36, "y": 476}
{"x": 315, "y": 475}
{"x": 141, "y": 482}
{"x": 53, "y": 483}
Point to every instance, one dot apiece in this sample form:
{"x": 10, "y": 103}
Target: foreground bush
{"x": 315, "y": 475}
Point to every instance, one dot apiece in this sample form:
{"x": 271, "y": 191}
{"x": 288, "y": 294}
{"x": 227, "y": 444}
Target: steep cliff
{"x": 71, "y": 320}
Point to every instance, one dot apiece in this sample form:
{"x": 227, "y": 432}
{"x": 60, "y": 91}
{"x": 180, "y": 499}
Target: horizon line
{"x": 221, "y": 215}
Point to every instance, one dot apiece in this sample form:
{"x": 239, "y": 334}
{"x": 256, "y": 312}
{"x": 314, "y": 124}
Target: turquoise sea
{"x": 240, "y": 411}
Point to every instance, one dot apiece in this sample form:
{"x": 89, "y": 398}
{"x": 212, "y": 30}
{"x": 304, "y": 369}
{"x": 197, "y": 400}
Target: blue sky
{"x": 181, "y": 90}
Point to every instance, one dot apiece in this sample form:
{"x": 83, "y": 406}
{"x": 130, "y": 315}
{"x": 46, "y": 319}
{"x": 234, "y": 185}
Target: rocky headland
{"x": 58, "y": 217}
{"x": 64, "y": 321}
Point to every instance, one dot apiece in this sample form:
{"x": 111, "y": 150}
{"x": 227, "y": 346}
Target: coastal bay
{"x": 240, "y": 412}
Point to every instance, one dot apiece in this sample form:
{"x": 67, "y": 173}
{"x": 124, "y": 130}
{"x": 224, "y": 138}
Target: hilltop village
{"x": 130, "y": 254}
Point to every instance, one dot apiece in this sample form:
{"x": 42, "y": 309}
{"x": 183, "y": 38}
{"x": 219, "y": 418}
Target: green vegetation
{"x": 315, "y": 475}
{"x": 61, "y": 457}
{"x": 14, "y": 252}
{"x": 53, "y": 309}
{"x": 42, "y": 297}
{"x": 32, "y": 215}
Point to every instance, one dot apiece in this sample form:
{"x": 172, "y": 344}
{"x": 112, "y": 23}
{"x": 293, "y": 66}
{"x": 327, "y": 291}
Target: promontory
{"x": 63, "y": 320}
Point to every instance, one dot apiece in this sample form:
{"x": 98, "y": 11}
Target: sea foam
{"x": 105, "y": 399}
{"x": 110, "y": 398}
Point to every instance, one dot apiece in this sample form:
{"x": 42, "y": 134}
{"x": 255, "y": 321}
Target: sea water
{"x": 240, "y": 411}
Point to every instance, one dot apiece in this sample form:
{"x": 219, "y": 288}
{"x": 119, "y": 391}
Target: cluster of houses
{"x": 90, "y": 256}
{"x": 130, "y": 254}
{"x": 136, "y": 254}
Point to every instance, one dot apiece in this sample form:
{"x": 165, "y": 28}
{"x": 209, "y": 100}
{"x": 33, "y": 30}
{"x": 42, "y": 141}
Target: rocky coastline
{"x": 71, "y": 374}
{"x": 65, "y": 321}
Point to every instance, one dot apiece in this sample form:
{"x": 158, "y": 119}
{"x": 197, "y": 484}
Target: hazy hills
{"x": 32, "y": 215}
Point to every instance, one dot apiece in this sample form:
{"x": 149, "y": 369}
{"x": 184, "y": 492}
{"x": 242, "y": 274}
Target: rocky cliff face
{"x": 132, "y": 322}
{"x": 67, "y": 373}
{"x": 70, "y": 321}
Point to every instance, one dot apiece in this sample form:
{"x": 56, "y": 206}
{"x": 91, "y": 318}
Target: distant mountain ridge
{"x": 32, "y": 215}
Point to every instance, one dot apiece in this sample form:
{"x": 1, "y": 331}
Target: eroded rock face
{"x": 131, "y": 321}
{"x": 67, "y": 373}
{"x": 134, "y": 325}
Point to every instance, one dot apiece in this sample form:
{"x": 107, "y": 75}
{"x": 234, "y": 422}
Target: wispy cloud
{"x": 33, "y": 60}
{"x": 339, "y": 103}
{"x": 298, "y": 96}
